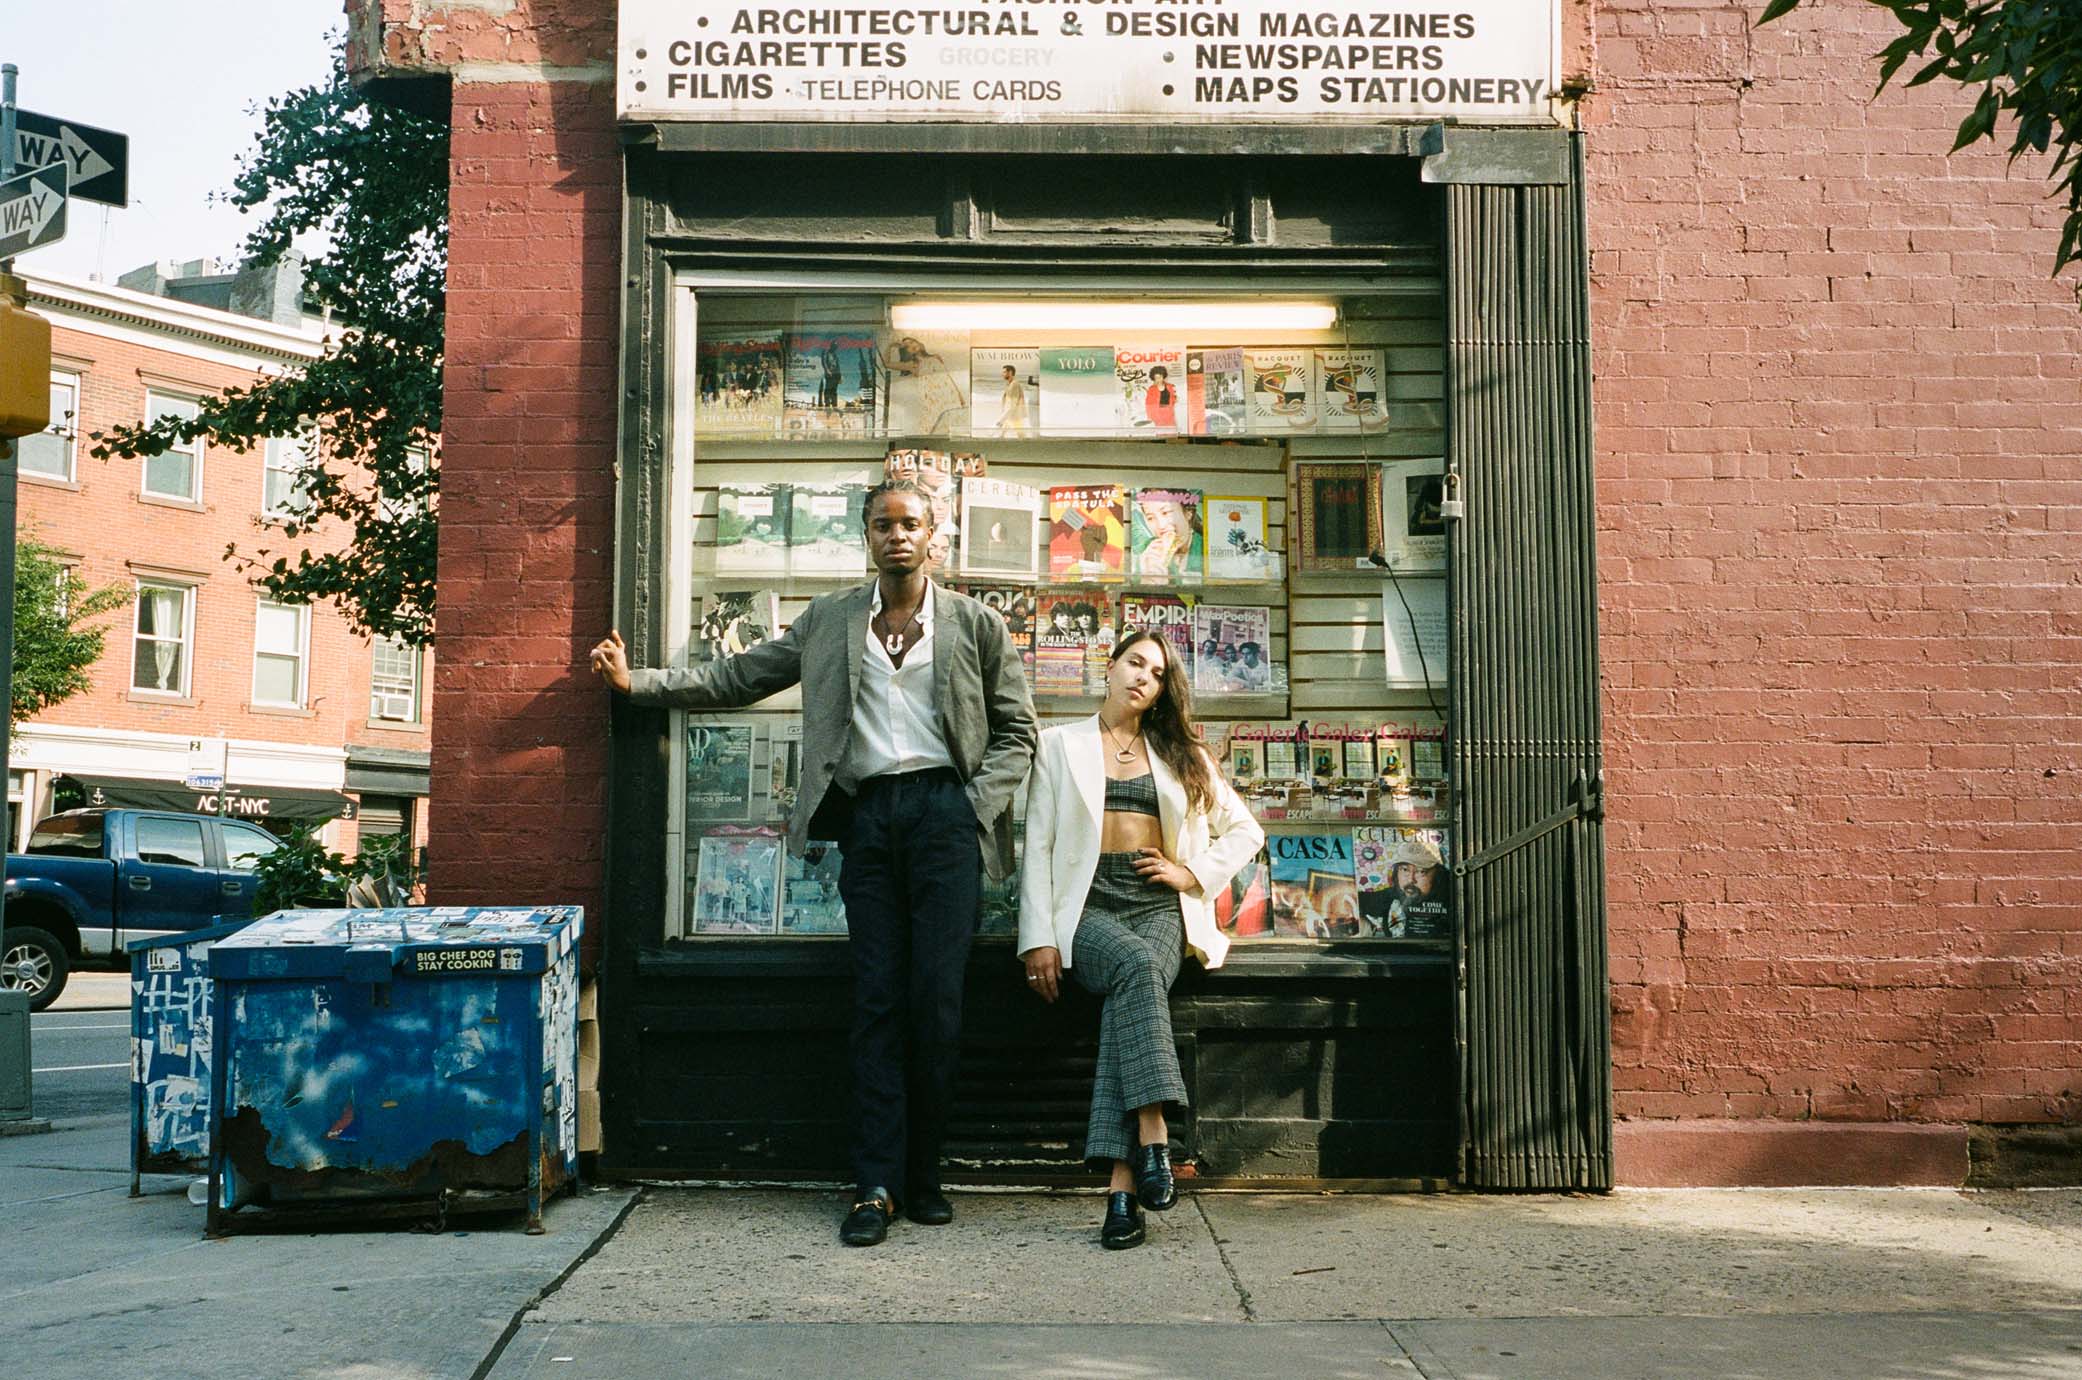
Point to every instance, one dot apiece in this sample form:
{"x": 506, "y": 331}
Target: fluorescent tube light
{"x": 1242, "y": 315}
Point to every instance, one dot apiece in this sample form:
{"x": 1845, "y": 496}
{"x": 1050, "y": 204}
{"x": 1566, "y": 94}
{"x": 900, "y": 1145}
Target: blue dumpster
{"x": 392, "y": 1062}
{"x": 170, "y": 1052}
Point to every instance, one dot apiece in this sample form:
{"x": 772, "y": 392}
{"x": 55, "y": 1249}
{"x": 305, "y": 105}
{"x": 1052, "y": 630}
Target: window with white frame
{"x": 165, "y": 628}
{"x": 285, "y": 486}
{"x": 177, "y": 471}
{"x": 49, "y": 453}
{"x": 281, "y": 636}
{"x": 394, "y": 681}
{"x": 395, "y": 508}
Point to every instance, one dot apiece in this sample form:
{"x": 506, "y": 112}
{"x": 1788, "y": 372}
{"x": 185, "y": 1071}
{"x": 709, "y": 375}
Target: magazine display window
{"x": 1257, "y": 476}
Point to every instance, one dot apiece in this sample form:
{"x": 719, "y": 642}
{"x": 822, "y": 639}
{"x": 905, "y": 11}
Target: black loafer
{"x": 868, "y": 1223}
{"x": 929, "y": 1208}
{"x": 1154, "y": 1183}
{"x": 1122, "y": 1229}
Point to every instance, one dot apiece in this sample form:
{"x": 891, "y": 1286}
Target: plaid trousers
{"x": 1130, "y": 943}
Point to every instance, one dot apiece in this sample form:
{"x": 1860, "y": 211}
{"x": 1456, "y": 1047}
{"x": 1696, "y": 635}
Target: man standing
{"x": 917, "y": 730}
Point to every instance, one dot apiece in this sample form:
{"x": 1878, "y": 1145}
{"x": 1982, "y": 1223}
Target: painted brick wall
{"x": 1839, "y": 423}
{"x": 527, "y": 524}
{"x": 102, "y": 521}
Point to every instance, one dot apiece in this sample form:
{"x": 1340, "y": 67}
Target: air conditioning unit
{"x": 397, "y": 707}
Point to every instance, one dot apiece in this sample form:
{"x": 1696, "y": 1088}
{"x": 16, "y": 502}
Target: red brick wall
{"x": 102, "y": 520}
{"x": 527, "y": 520}
{"x": 1839, "y": 422}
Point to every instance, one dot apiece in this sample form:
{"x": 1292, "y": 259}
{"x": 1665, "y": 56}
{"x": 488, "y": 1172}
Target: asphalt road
{"x": 79, "y": 1064}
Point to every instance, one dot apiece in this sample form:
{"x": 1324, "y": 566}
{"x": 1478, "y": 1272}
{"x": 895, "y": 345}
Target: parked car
{"x": 93, "y": 880}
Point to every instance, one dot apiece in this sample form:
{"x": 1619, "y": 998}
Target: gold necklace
{"x": 1120, "y": 754}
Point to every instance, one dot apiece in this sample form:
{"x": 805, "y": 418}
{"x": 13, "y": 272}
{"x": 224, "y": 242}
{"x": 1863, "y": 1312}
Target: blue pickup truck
{"x": 93, "y": 880}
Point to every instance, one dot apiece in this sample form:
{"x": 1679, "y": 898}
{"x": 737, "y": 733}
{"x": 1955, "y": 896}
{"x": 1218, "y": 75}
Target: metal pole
{"x": 10, "y": 286}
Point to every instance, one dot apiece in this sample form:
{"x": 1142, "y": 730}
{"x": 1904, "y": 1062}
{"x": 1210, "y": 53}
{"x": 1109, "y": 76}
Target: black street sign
{"x": 98, "y": 160}
{"x": 32, "y": 210}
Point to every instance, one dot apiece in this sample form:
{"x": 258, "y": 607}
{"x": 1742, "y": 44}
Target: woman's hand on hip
{"x": 1155, "y": 867}
{"x": 1044, "y": 971}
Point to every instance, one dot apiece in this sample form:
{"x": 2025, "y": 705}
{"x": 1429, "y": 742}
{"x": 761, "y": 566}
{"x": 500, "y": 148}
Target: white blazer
{"x": 1066, "y": 799}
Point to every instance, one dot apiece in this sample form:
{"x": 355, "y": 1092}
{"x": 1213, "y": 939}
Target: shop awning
{"x": 241, "y": 802}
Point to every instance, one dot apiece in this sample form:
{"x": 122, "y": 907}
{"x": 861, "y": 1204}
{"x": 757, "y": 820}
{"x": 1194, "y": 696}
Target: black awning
{"x": 240, "y": 802}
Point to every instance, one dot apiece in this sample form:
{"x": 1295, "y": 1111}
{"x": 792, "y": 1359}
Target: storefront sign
{"x": 1127, "y": 61}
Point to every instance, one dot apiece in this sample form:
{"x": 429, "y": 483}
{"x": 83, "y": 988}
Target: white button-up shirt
{"x": 896, "y": 724}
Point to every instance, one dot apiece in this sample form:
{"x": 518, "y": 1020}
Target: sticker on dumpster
{"x": 162, "y": 960}
{"x": 478, "y": 960}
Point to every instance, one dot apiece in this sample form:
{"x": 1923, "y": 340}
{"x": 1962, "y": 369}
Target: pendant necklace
{"x": 1122, "y": 754}
{"x": 893, "y": 642}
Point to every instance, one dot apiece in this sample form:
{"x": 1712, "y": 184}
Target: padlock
{"x": 1451, "y": 509}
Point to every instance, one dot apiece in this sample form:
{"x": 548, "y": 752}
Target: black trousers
{"x": 912, "y": 878}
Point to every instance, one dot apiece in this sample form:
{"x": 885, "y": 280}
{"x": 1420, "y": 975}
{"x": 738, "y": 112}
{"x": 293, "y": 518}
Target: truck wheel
{"x": 33, "y": 962}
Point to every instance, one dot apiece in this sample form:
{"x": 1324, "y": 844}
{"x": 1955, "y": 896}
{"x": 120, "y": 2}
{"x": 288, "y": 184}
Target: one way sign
{"x": 97, "y": 160}
{"x": 32, "y": 210}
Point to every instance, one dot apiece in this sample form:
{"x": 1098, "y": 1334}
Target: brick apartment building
{"x": 1836, "y": 514}
{"x": 201, "y": 673}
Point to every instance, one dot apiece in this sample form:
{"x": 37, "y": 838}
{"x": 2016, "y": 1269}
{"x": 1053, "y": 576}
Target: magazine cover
{"x": 1338, "y": 514}
{"x": 1326, "y": 755}
{"x": 1348, "y": 391}
{"x": 737, "y": 382}
{"x": 1414, "y": 631}
{"x": 831, "y": 384}
{"x": 1014, "y": 604}
{"x": 737, "y": 882}
{"x": 938, "y": 473}
{"x": 1413, "y": 526}
{"x": 1170, "y": 616}
{"x": 1282, "y": 760}
{"x": 1243, "y": 909}
{"x": 719, "y": 771}
{"x": 1004, "y": 392}
{"x": 1392, "y": 758}
{"x": 784, "y": 768}
{"x": 1216, "y": 398}
{"x": 810, "y": 901}
{"x": 1232, "y": 650}
{"x": 1064, "y": 640}
{"x": 1314, "y": 892}
{"x": 1079, "y": 394}
{"x": 1405, "y": 882}
{"x": 1246, "y": 761}
{"x": 1151, "y": 379}
{"x": 752, "y": 529}
{"x": 923, "y": 382}
{"x": 824, "y": 530}
{"x": 1088, "y": 532}
{"x": 1282, "y": 391}
{"x": 1000, "y": 527}
{"x": 1167, "y": 546}
{"x": 733, "y": 621}
{"x": 1236, "y": 540}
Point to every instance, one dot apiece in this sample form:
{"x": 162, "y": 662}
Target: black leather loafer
{"x": 1154, "y": 1183}
{"x": 929, "y": 1208}
{"x": 1122, "y": 1228}
{"x": 868, "y": 1223}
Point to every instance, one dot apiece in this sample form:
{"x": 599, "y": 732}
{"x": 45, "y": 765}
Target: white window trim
{"x": 303, "y": 653}
{"x": 418, "y": 657}
{"x": 307, "y": 440}
{"x": 187, "y": 638}
{"x": 195, "y": 448}
{"x": 66, "y": 428}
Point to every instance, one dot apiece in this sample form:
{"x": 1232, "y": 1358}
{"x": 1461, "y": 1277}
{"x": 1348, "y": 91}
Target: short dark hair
{"x": 897, "y": 486}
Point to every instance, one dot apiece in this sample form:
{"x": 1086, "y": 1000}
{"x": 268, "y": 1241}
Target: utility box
{"x": 170, "y": 1021}
{"x": 394, "y": 1062}
{"x": 14, "y": 1056}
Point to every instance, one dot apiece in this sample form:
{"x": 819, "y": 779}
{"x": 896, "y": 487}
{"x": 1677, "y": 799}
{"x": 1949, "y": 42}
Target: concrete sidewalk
{"x": 1783, "y": 1284}
{"x": 1769, "y": 1283}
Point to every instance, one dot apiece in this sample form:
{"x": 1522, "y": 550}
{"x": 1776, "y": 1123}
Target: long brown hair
{"x": 1168, "y": 722}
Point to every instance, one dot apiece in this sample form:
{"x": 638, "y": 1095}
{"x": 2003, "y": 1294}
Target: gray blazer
{"x": 979, "y": 685}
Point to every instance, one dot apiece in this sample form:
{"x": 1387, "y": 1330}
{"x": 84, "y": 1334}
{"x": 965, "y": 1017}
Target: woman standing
{"x": 1131, "y": 833}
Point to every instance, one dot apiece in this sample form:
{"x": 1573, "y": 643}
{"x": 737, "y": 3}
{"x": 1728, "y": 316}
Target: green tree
{"x": 371, "y": 182}
{"x": 2026, "y": 58}
{"x": 54, "y": 648}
